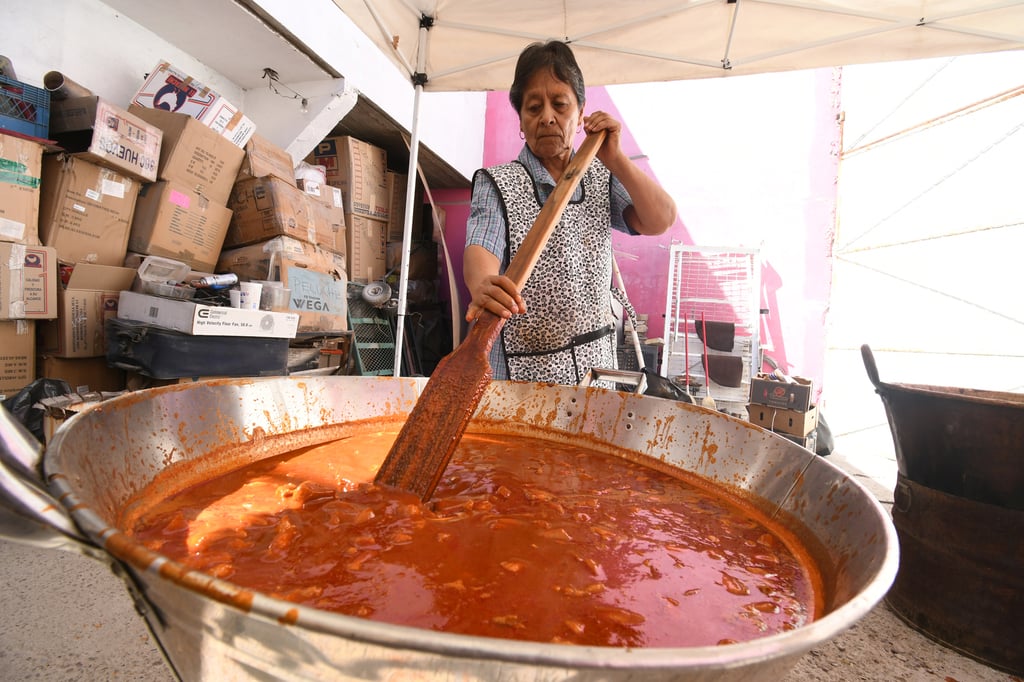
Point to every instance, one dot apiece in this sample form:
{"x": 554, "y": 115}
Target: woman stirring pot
{"x": 561, "y": 325}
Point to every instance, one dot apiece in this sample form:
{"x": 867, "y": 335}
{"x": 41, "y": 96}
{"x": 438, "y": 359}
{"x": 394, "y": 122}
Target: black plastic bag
{"x": 23, "y": 403}
{"x": 825, "y": 443}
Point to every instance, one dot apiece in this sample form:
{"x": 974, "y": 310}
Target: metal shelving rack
{"x": 723, "y": 284}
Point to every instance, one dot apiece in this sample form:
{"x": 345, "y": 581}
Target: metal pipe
{"x": 62, "y": 87}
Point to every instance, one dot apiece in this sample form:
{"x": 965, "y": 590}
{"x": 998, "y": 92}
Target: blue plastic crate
{"x": 24, "y": 108}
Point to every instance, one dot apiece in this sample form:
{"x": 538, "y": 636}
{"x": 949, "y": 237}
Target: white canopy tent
{"x": 459, "y": 45}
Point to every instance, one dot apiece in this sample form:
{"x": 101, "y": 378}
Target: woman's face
{"x": 550, "y": 115}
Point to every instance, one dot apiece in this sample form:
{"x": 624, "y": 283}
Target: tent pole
{"x": 418, "y": 80}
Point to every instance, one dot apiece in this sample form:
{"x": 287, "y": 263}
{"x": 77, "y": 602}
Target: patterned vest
{"x": 568, "y": 327}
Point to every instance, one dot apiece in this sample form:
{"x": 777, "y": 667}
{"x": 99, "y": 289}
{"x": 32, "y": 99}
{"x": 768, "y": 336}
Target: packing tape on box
{"x": 16, "y": 266}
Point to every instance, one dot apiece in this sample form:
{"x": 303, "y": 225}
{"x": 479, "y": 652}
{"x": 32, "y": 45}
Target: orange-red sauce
{"x": 523, "y": 539}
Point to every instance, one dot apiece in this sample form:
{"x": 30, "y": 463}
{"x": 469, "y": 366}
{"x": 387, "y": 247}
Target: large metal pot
{"x": 211, "y": 629}
{"x": 958, "y": 511}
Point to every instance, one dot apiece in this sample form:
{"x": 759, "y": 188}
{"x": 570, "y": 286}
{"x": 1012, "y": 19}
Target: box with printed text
{"x": 104, "y": 133}
{"x": 21, "y": 167}
{"x": 169, "y": 89}
{"x": 205, "y": 320}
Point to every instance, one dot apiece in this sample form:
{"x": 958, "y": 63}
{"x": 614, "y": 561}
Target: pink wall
{"x": 795, "y": 244}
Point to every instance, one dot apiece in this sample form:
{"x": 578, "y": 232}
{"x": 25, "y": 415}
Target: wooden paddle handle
{"x": 537, "y": 238}
{"x": 436, "y": 424}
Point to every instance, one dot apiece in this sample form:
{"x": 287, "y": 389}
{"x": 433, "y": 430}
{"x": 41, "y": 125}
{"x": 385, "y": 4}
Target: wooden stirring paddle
{"x": 436, "y": 424}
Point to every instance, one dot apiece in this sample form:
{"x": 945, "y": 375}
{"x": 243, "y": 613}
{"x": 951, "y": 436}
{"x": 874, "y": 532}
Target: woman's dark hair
{"x": 554, "y": 55}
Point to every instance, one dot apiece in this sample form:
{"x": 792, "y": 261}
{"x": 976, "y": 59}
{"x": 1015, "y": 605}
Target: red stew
{"x": 523, "y": 539}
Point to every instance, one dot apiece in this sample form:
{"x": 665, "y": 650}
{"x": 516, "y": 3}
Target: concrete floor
{"x": 67, "y": 618}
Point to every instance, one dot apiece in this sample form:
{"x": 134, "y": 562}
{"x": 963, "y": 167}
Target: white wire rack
{"x": 722, "y": 284}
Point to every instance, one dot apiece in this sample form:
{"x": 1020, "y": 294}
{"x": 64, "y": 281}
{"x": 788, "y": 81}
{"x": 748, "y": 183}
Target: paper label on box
{"x": 12, "y": 230}
{"x": 179, "y": 199}
{"x": 92, "y": 195}
{"x": 311, "y": 187}
{"x": 112, "y": 189}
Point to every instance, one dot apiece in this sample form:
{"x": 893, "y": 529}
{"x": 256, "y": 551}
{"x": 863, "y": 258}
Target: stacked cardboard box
{"x": 184, "y": 214}
{"x": 314, "y": 277}
{"x": 28, "y": 271}
{"x": 359, "y": 170}
{"x": 785, "y": 408}
{"x": 102, "y": 132}
{"x": 290, "y": 232}
{"x": 267, "y": 207}
{"x": 89, "y": 197}
{"x": 86, "y": 210}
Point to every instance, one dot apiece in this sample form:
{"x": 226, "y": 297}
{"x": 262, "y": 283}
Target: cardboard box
{"x": 810, "y": 441}
{"x": 28, "y": 282}
{"x": 315, "y": 276}
{"x": 397, "y": 184}
{"x": 367, "y": 250}
{"x": 783, "y": 421}
{"x": 262, "y": 261}
{"x": 358, "y": 168}
{"x": 175, "y": 222}
{"x": 17, "y": 356}
{"x": 320, "y": 298}
{"x": 264, "y": 208}
{"x": 795, "y": 396}
{"x": 194, "y": 156}
{"x": 84, "y": 305}
{"x": 169, "y": 89}
{"x": 204, "y": 320}
{"x": 263, "y": 158}
{"x": 422, "y": 259}
{"x": 92, "y": 374}
{"x": 106, "y": 134}
{"x": 86, "y": 210}
{"x": 21, "y": 167}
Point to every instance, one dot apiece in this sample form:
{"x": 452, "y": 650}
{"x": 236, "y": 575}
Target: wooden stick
{"x": 436, "y": 424}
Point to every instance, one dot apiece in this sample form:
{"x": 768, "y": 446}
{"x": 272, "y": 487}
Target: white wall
{"x": 451, "y": 124}
{"x": 103, "y": 50}
{"x": 94, "y": 46}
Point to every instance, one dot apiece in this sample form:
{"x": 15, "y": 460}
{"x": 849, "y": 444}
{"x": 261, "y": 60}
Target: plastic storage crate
{"x": 24, "y": 109}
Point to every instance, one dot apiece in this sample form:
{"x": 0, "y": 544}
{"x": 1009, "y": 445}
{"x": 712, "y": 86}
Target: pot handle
{"x": 28, "y": 513}
{"x": 869, "y": 365}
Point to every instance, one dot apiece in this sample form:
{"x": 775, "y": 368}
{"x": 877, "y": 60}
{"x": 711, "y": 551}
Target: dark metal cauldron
{"x": 212, "y": 629}
{"x": 958, "y": 509}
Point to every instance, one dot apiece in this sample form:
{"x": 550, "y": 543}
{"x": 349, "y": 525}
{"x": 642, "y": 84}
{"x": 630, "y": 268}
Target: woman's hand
{"x": 489, "y": 290}
{"x": 610, "y": 150}
{"x": 497, "y": 294}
